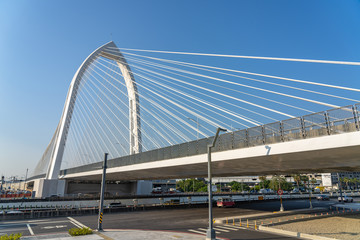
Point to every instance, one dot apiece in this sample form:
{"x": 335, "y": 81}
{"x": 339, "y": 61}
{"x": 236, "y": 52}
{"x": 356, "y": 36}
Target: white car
{"x": 346, "y": 199}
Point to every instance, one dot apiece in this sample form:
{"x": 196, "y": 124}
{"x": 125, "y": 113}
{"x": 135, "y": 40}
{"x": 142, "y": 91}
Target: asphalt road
{"x": 193, "y": 220}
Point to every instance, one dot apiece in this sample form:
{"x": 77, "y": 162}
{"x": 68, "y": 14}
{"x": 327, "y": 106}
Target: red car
{"x": 225, "y": 202}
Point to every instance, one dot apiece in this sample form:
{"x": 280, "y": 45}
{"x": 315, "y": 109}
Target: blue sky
{"x": 42, "y": 43}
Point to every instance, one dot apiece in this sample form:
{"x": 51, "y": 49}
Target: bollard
{"x": 247, "y": 223}
{"x": 240, "y": 222}
{"x": 227, "y": 221}
{"x": 255, "y": 225}
{"x": 233, "y": 221}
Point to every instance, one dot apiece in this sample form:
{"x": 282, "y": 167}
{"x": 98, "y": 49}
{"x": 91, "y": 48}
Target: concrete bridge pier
{"x": 48, "y": 187}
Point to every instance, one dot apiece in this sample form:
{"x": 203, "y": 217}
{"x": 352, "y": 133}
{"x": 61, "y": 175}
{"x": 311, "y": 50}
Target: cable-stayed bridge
{"x": 155, "y": 117}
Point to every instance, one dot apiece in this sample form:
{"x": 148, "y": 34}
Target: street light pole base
{"x": 281, "y": 208}
{"x": 210, "y": 234}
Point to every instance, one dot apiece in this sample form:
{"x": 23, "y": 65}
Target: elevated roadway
{"x": 330, "y": 153}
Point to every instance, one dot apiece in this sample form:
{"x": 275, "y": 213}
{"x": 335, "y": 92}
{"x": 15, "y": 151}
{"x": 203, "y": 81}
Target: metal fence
{"x": 334, "y": 121}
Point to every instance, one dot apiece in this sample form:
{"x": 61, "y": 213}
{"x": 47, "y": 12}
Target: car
{"x": 14, "y": 212}
{"x": 173, "y": 202}
{"x": 295, "y": 190}
{"x": 346, "y": 199}
{"x": 115, "y": 205}
{"x": 323, "y": 197}
{"x": 225, "y": 202}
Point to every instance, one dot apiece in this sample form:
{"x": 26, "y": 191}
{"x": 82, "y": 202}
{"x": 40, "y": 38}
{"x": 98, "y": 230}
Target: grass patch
{"x": 79, "y": 231}
{"x": 15, "y": 236}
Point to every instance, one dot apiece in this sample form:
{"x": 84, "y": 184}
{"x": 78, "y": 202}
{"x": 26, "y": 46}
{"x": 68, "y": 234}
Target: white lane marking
{"x": 228, "y": 228}
{"x": 202, "y": 233}
{"x": 221, "y": 230}
{"x": 203, "y": 229}
{"x": 77, "y": 222}
{"x": 58, "y": 226}
{"x": 30, "y": 230}
{"x": 38, "y": 223}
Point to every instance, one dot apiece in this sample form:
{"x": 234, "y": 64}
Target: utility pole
{"x": 101, "y": 207}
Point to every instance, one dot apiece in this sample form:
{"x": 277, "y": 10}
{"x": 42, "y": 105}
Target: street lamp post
{"x": 210, "y": 233}
{"x": 340, "y": 188}
{"x": 103, "y": 182}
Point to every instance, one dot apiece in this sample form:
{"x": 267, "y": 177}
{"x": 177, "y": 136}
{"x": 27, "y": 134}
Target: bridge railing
{"x": 334, "y": 121}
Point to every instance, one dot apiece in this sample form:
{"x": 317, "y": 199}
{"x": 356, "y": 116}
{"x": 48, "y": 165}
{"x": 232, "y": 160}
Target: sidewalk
{"x": 113, "y": 234}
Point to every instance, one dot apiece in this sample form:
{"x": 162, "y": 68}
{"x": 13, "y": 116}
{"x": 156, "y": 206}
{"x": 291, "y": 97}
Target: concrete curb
{"x": 293, "y": 234}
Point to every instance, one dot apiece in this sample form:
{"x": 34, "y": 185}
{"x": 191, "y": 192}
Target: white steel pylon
{"x": 134, "y": 108}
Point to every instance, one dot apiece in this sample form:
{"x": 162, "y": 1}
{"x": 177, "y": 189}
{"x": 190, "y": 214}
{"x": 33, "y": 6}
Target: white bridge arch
{"x": 57, "y": 144}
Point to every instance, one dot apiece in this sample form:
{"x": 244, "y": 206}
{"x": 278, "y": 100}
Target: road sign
{"x": 280, "y": 192}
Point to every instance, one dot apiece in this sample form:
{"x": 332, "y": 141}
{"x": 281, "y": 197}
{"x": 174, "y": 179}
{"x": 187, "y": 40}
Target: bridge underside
{"x": 334, "y": 153}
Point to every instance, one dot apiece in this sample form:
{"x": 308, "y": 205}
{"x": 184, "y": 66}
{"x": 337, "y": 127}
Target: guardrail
{"x": 334, "y": 121}
{"x": 46, "y": 209}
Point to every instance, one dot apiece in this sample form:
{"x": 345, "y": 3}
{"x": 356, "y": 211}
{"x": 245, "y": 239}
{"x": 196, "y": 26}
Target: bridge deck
{"x": 321, "y": 142}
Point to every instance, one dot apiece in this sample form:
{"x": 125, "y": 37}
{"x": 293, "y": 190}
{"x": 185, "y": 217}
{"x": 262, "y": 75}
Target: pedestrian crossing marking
{"x": 228, "y": 228}
{"x": 221, "y": 230}
{"x": 205, "y": 230}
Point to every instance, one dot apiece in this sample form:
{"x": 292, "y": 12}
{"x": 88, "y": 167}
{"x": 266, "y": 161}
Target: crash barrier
{"x": 184, "y": 199}
{"x": 13, "y": 214}
{"x": 203, "y": 194}
{"x": 284, "y": 218}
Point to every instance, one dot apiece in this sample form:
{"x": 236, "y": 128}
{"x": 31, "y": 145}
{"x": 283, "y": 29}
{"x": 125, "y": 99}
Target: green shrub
{"x": 79, "y": 231}
{"x": 15, "y": 236}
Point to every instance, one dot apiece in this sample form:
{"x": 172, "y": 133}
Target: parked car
{"x": 323, "y": 197}
{"x": 14, "y": 212}
{"x": 225, "y": 202}
{"x": 115, "y": 205}
{"x": 346, "y": 199}
{"x": 173, "y": 202}
{"x": 295, "y": 190}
